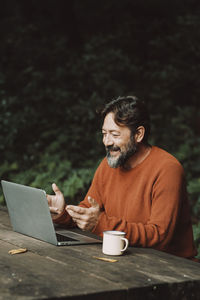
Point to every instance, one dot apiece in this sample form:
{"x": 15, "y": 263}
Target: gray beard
{"x": 120, "y": 161}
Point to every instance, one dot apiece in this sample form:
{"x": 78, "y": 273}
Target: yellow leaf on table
{"x": 105, "y": 259}
{"x": 17, "y": 251}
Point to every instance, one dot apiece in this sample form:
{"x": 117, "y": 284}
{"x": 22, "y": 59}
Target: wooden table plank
{"x": 47, "y": 271}
{"x": 42, "y": 276}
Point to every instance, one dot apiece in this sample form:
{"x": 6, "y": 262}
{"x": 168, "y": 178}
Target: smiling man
{"x": 137, "y": 188}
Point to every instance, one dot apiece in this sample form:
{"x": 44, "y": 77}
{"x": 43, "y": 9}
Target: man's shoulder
{"x": 164, "y": 158}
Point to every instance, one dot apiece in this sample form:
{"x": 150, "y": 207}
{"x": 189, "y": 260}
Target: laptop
{"x": 30, "y": 215}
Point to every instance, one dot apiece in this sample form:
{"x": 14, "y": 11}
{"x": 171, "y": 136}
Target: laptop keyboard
{"x": 63, "y": 238}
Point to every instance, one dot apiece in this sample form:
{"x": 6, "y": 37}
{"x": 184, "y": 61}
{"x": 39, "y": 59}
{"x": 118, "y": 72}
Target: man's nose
{"x": 108, "y": 140}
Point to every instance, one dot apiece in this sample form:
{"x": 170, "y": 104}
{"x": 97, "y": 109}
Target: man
{"x": 137, "y": 188}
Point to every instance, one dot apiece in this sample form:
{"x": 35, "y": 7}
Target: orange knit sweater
{"x": 148, "y": 202}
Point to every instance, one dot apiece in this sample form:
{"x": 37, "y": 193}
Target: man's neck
{"x": 142, "y": 152}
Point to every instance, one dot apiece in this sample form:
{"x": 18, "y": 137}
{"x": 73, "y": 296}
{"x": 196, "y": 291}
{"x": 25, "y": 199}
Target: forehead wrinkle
{"x": 111, "y": 130}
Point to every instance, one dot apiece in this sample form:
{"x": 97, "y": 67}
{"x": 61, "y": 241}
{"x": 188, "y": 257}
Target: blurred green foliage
{"x": 61, "y": 60}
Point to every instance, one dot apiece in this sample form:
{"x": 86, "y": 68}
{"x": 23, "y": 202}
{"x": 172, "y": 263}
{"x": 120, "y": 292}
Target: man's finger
{"x": 53, "y": 210}
{"x": 77, "y": 209}
{"x": 81, "y": 224}
{"x": 93, "y": 202}
{"x": 76, "y": 216}
{"x": 55, "y": 188}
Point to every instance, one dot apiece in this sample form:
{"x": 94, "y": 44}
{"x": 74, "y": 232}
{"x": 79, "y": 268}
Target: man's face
{"x": 119, "y": 143}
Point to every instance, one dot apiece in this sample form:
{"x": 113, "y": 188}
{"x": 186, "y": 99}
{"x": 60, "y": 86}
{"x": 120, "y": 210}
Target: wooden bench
{"x": 73, "y": 272}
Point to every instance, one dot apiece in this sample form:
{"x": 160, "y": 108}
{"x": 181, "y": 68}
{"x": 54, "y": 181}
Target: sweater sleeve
{"x": 168, "y": 192}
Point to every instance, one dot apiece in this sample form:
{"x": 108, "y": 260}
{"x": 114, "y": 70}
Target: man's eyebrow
{"x": 112, "y": 130}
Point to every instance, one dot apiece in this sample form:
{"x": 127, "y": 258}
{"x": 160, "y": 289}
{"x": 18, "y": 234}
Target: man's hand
{"x": 56, "y": 202}
{"x": 85, "y": 218}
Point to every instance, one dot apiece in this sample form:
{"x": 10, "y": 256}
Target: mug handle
{"x": 126, "y": 244}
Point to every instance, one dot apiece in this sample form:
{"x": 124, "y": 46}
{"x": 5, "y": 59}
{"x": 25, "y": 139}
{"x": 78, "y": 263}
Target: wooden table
{"x": 71, "y": 272}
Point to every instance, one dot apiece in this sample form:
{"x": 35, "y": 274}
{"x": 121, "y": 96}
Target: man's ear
{"x": 140, "y": 131}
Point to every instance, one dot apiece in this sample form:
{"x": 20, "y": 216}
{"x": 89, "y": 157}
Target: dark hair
{"x": 131, "y": 112}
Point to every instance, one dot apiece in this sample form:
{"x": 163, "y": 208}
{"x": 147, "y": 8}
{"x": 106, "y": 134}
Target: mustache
{"x": 112, "y": 148}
